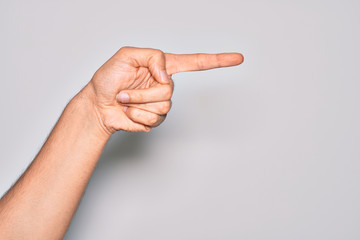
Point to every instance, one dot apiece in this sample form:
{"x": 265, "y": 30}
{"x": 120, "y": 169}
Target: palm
{"x": 123, "y": 76}
{"x": 110, "y": 79}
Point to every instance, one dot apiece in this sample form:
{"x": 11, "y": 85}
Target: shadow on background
{"x": 121, "y": 149}
{"x": 123, "y": 146}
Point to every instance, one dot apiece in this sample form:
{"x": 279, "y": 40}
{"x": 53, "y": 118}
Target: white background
{"x": 266, "y": 150}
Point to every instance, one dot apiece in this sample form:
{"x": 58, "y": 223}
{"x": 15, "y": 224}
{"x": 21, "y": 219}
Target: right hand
{"x": 144, "y": 75}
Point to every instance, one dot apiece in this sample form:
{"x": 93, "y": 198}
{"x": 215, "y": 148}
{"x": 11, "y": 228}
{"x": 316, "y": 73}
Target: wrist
{"x": 85, "y": 102}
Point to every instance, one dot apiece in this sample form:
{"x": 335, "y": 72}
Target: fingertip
{"x": 123, "y": 97}
{"x": 235, "y": 59}
{"x": 240, "y": 58}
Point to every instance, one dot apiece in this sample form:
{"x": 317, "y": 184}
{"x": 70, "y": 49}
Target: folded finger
{"x": 153, "y": 59}
{"x": 159, "y": 108}
{"x": 153, "y": 94}
{"x": 144, "y": 117}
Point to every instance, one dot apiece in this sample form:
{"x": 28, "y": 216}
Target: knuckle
{"x": 124, "y": 48}
{"x": 97, "y": 74}
{"x": 165, "y": 107}
{"x": 153, "y": 120}
{"x": 158, "y": 52}
{"x": 168, "y": 92}
{"x": 172, "y": 83}
{"x": 200, "y": 61}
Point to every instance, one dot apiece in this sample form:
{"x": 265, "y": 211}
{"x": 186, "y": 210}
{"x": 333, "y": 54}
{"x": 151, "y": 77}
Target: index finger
{"x": 201, "y": 61}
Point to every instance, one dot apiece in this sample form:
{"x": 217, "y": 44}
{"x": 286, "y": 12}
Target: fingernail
{"x": 164, "y": 76}
{"x": 125, "y": 108}
{"x": 123, "y": 97}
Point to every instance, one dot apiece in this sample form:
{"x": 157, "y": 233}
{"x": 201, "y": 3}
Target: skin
{"x": 132, "y": 92}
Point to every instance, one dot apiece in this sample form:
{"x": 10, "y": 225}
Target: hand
{"x": 133, "y": 89}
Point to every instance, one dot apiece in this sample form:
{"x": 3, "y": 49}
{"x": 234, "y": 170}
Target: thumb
{"x": 157, "y": 67}
{"x": 153, "y": 59}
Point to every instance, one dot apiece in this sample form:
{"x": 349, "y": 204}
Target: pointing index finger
{"x": 201, "y": 61}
